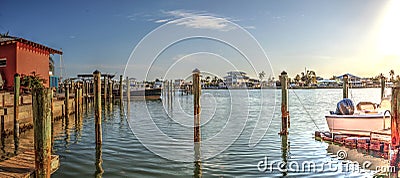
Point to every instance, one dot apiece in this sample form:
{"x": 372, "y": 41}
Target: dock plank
{"x": 23, "y": 165}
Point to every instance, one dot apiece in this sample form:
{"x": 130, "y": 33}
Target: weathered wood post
{"x": 2, "y": 131}
{"x": 128, "y": 89}
{"x": 97, "y": 109}
{"x": 16, "y": 105}
{"x": 41, "y": 99}
{"x": 284, "y": 104}
{"x": 80, "y": 100}
{"x": 76, "y": 93}
{"x": 52, "y": 119}
{"x": 105, "y": 89}
{"x": 196, "y": 101}
{"x": 345, "y": 86}
{"x": 395, "y": 126}
{"x": 66, "y": 102}
{"x": 121, "y": 94}
{"x": 170, "y": 93}
{"x": 383, "y": 84}
{"x": 110, "y": 91}
{"x": 83, "y": 93}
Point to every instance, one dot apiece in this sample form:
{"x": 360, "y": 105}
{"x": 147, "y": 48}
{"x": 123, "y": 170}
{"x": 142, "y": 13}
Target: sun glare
{"x": 389, "y": 41}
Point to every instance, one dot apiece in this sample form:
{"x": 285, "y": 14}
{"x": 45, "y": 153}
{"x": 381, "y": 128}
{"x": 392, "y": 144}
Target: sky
{"x": 168, "y": 39}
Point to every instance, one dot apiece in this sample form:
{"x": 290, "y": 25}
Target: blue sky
{"x": 330, "y": 37}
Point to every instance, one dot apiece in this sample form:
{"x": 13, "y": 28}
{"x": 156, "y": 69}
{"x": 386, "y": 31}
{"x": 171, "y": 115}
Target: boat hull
{"x": 147, "y": 94}
{"x": 361, "y": 125}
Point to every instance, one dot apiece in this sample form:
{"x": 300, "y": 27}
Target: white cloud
{"x": 197, "y": 19}
{"x": 250, "y": 27}
{"x": 162, "y": 20}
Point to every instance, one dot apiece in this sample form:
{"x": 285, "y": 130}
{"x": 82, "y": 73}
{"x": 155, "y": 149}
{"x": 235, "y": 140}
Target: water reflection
{"x": 285, "y": 150}
{"x": 98, "y": 163}
{"x": 197, "y": 172}
{"x": 16, "y": 143}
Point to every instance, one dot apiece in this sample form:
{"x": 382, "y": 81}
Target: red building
{"x": 18, "y": 55}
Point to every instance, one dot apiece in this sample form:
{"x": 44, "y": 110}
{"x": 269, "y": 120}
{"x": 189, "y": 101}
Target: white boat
{"x": 367, "y": 118}
{"x": 144, "y": 90}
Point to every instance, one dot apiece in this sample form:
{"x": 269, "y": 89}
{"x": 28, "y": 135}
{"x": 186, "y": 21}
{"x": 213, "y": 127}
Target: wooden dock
{"x": 23, "y": 165}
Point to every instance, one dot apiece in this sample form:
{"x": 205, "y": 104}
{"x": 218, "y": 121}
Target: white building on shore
{"x": 236, "y": 79}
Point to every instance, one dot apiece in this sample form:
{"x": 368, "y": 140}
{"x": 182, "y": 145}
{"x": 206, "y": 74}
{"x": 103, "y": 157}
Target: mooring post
{"x": 105, "y": 89}
{"x": 284, "y": 104}
{"x": 42, "y": 130}
{"x": 66, "y": 102}
{"x": 83, "y": 93}
{"x": 76, "y": 106}
{"x": 97, "y": 109}
{"x": 16, "y": 105}
{"x": 128, "y": 89}
{"x": 121, "y": 94}
{"x": 196, "y": 101}
{"x": 383, "y": 85}
{"x": 170, "y": 93}
{"x": 2, "y": 131}
{"x": 80, "y": 100}
{"x": 395, "y": 126}
{"x": 110, "y": 91}
{"x": 345, "y": 86}
{"x": 52, "y": 119}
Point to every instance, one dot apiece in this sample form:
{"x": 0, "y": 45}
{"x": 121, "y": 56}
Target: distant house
{"x": 236, "y": 79}
{"x": 354, "y": 81}
{"x": 327, "y": 83}
{"x": 18, "y": 55}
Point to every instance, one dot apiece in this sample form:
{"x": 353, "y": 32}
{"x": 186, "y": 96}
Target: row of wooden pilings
{"x": 42, "y": 107}
{"x": 42, "y": 123}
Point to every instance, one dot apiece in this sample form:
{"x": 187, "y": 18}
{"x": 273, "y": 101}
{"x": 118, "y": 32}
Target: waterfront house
{"x": 236, "y": 79}
{"x": 353, "y": 80}
{"x": 18, "y": 55}
{"x": 327, "y": 83}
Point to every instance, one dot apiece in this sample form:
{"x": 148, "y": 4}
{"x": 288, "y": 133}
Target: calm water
{"x": 223, "y": 114}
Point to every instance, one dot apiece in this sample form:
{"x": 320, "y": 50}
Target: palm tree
{"x": 261, "y": 75}
{"x": 297, "y": 79}
{"x": 391, "y": 73}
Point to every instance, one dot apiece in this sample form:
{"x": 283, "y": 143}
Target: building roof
{"x": 349, "y": 75}
{"x": 91, "y": 75}
{"x": 5, "y": 40}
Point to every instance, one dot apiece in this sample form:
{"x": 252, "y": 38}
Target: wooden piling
{"x": 84, "y": 86}
{"x": 345, "y": 86}
{"x": 128, "y": 89}
{"x": 80, "y": 100}
{"x": 52, "y": 120}
{"x": 42, "y": 131}
{"x": 16, "y": 105}
{"x": 395, "y": 126}
{"x": 170, "y": 93}
{"x": 383, "y": 83}
{"x": 121, "y": 94}
{"x": 105, "y": 89}
{"x": 284, "y": 104}
{"x": 110, "y": 90}
{"x": 196, "y": 101}
{"x": 66, "y": 102}
{"x": 2, "y": 128}
{"x": 97, "y": 101}
{"x": 76, "y": 108}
